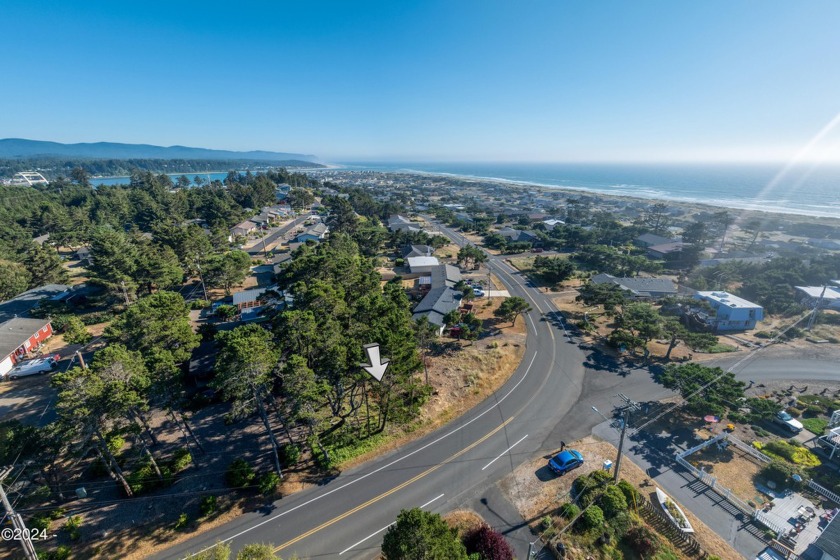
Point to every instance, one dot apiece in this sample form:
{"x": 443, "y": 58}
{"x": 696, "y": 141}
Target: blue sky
{"x": 429, "y": 80}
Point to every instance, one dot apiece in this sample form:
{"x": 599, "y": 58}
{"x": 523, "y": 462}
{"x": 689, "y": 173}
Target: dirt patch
{"x": 464, "y": 520}
{"x": 536, "y": 492}
{"x": 732, "y": 467}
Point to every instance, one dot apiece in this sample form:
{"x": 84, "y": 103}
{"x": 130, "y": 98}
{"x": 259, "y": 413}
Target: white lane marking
{"x": 504, "y": 452}
{"x": 380, "y": 469}
{"x": 384, "y": 528}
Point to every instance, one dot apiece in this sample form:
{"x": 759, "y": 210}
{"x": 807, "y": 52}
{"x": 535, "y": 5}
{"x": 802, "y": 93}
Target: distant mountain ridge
{"x": 16, "y": 148}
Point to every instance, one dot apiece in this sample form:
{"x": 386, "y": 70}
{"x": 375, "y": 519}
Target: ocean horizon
{"x": 810, "y": 190}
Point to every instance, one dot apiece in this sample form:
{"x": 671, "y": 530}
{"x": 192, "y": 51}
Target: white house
{"x": 422, "y": 265}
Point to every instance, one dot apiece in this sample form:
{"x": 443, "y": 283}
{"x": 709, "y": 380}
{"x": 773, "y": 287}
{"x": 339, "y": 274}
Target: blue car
{"x": 565, "y": 461}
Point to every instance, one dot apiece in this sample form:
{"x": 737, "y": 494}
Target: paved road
{"x": 257, "y": 249}
{"x": 548, "y": 399}
{"x": 346, "y": 517}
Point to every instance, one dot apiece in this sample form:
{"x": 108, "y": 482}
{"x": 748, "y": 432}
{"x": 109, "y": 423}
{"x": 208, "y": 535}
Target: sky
{"x": 448, "y": 80}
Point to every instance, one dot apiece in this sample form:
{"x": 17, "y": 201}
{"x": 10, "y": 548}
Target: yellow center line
{"x": 392, "y": 490}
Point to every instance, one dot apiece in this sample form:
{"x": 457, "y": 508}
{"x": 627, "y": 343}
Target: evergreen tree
{"x": 44, "y": 264}
{"x": 14, "y": 279}
{"x": 420, "y": 535}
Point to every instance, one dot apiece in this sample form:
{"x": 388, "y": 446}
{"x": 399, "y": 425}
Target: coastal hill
{"x": 19, "y": 148}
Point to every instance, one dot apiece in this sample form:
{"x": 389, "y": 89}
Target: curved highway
{"x": 342, "y": 519}
{"x": 546, "y": 400}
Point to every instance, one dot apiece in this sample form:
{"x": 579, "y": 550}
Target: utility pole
{"x": 81, "y": 359}
{"x": 813, "y": 318}
{"x": 201, "y": 278}
{"x": 629, "y": 406}
{"x": 17, "y": 520}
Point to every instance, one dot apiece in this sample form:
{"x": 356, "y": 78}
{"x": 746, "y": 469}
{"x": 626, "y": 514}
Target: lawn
{"x": 816, "y": 426}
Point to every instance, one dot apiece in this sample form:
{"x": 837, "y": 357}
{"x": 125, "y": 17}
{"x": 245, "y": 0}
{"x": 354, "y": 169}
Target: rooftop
{"x": 727, "y": 299}
{"x": 21, "y": 304}
{"x": 422, "y": 261}
{"x": 14, "y": 332}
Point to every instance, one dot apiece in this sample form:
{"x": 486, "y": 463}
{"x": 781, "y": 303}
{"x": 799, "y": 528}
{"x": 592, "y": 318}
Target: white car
{"x": 33, "y": 367}
{"x": 787, "y": 421}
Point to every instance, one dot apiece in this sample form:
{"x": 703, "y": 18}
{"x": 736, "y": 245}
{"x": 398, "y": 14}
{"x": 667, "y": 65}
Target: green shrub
{"x": 759, "y": 431}
{"x": 613, "y": 502}
{"x": 796, "y": 454}
{"x": 208, "y": 506}
{"x": 630, "y": 493}
{"x": 57, "y": 513}
{"x": 240, "y": 474}
{"x": 72, "y": 527}
{"x": 182, "y": 522}
{"x": 40, "y": 522}
{"x": 763, "y": 334}
{"x": 587, "y": 486}
{"x": 592, "y": 518}
{"x": 568, "y": 511}
{"x": 290, "y": 454}
{"x": 268, "y": 483}
{"x": 199, "y": 304}
{"x": 779, "y": 472}
{"x": 62, "y": 552}
{"x": 96, "y": 318}
{"x": 180, "y": 460}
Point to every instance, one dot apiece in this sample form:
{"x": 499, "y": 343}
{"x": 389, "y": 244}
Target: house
{"x": 732, "y": 313}
{"x": 20, "y": 336}
{"x": 408, "y": 251}
{"x": 20, "y": 305}
{"x": 665, "y": 251}
{"x": 247, "y": 299}
{"x": 262, "y": 220}
{"x": 401, "y": 223}
{"x": 279, "y": 261}
{"x": 651, "y": 239}
{"x": 828, "y": 297}
{"x": 313, "y": 233}
{"x": 537, "y": 217}
{"x": 84, "y": 255}
{"x": 243, "y": 229}
{"x": 640, "y": 288}
{"x": 515, "y": 235}
{"x": 422, "y": 265}
{"x": 436, "y": 304}
{"x": 441, "y": 297}
{"x": 828, "y": 542}
{"x": 550, "y": 223}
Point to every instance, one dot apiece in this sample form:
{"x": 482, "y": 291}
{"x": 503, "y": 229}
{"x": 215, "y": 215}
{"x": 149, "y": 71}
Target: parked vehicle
{"x": 788, "y": 422}
{"x": 33, "y": 367}
{"x": 565, "y": 461}
{"x": 478, "y": 292}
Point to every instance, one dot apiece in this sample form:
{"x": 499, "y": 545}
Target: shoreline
{"x": 687, "y": 204}
{"x": 757, "y": 207}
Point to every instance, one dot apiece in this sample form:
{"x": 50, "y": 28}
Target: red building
{"x": 19, "y": 337}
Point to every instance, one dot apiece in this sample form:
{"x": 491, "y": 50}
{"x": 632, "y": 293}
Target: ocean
{"x": 812, "y": 190}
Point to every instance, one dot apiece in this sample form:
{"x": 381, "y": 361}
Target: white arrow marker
{"x": 377, "y": 366}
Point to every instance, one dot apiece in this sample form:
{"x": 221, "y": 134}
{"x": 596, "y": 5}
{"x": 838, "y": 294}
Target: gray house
{"x": 640, "y": 288}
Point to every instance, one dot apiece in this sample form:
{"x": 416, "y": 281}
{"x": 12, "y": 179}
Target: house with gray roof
{"x": 20, "y": 305}
{"x": 651, "y": 239}
{"x": 640, "y": 288}
{"x": 442, "y": 296}
{"x": 313, "y": 233}
{"x": 401, "y": 223}
{"x": 408, "y": 251}
{"x": 518, "y": 235}
{"x": 828, "y": 542}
